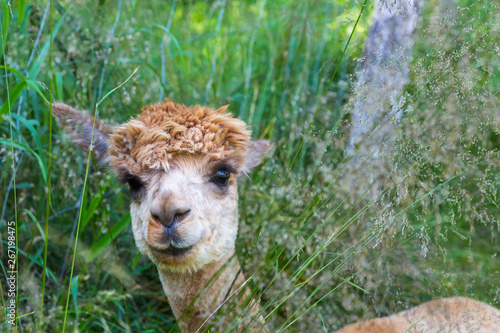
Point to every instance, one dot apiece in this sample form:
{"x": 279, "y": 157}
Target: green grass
{"x": 320, "y": 253}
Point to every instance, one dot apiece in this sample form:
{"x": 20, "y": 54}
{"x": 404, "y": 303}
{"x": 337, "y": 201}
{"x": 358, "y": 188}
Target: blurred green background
{"x": 320, "y": 255}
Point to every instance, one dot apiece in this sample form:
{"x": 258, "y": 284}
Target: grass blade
{"x": 105, "y": 240}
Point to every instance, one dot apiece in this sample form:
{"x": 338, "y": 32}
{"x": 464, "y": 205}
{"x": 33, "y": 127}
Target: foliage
{"x": 320, "y": 255}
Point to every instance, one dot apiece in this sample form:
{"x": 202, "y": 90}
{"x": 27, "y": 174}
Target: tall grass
{"x": 322, "y": 243}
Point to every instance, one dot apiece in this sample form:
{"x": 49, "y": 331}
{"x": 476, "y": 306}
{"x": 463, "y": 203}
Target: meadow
{"x": 325, "y": 242}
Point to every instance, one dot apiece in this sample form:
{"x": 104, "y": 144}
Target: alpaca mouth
{"x": 173, "y": 251}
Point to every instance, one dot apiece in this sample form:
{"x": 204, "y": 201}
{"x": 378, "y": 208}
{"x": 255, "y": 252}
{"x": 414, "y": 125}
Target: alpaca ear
{"x": 257, "y": 151}
{"x": 79, "y": 125}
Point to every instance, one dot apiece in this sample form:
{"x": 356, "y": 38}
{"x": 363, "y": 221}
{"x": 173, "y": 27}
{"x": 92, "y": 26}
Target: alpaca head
{"x": 181, "y": 165}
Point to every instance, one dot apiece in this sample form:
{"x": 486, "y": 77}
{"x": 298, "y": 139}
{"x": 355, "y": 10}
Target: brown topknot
{"x": 162, "y": 130}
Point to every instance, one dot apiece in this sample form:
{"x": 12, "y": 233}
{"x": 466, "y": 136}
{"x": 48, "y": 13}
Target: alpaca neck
{"x": 208, "y": 287}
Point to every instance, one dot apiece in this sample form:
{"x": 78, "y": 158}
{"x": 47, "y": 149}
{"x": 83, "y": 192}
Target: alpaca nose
{"x": 168, "y": 216}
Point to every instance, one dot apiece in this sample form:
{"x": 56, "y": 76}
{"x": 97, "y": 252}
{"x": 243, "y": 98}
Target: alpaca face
{"x": 181, "y": 164}
{"x": 186, "y": 216}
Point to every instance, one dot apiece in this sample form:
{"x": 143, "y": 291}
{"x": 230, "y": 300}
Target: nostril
{"x": 180, "y": 214}
{"x": 156, "y": 216}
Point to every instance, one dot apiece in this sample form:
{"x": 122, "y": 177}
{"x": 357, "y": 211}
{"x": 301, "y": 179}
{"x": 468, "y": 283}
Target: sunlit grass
{"x": 318, "y": 253}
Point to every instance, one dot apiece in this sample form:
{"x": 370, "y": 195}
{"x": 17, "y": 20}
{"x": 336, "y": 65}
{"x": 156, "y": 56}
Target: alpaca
{"x": 181, "y": 164}
{"x": 456, "y": 314}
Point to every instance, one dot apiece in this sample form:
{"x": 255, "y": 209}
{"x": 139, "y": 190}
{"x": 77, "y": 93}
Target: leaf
{"x": 24, "y": 185}
{"x": 89, "y": 212}
{"x": 74, "y": 288}
{"x": 97, "y": 248}
{"x": 13, "y": 95}
{"x": 59, "y": 86}
{"x": 33, "y": 218}
{"x": 5, "y": 23}
{"x": 14, "y": 71}
{"x": 24, "y": 315}
{"x": 136, "y": 260}
{"x": 31, "y": 83}
{"x": 35, "y": 67}
{"x": 20, "y": 11}
{"x": 29, "y": 125}
{"x": 28, "y": 150}
{"x": 176, "y": 43}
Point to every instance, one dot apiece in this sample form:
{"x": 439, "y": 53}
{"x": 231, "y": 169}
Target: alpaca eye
{"x": 134, "y": 183}
{"x": 221, "y": 177}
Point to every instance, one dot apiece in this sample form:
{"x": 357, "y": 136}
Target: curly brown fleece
{"x": 165, "y": 129}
